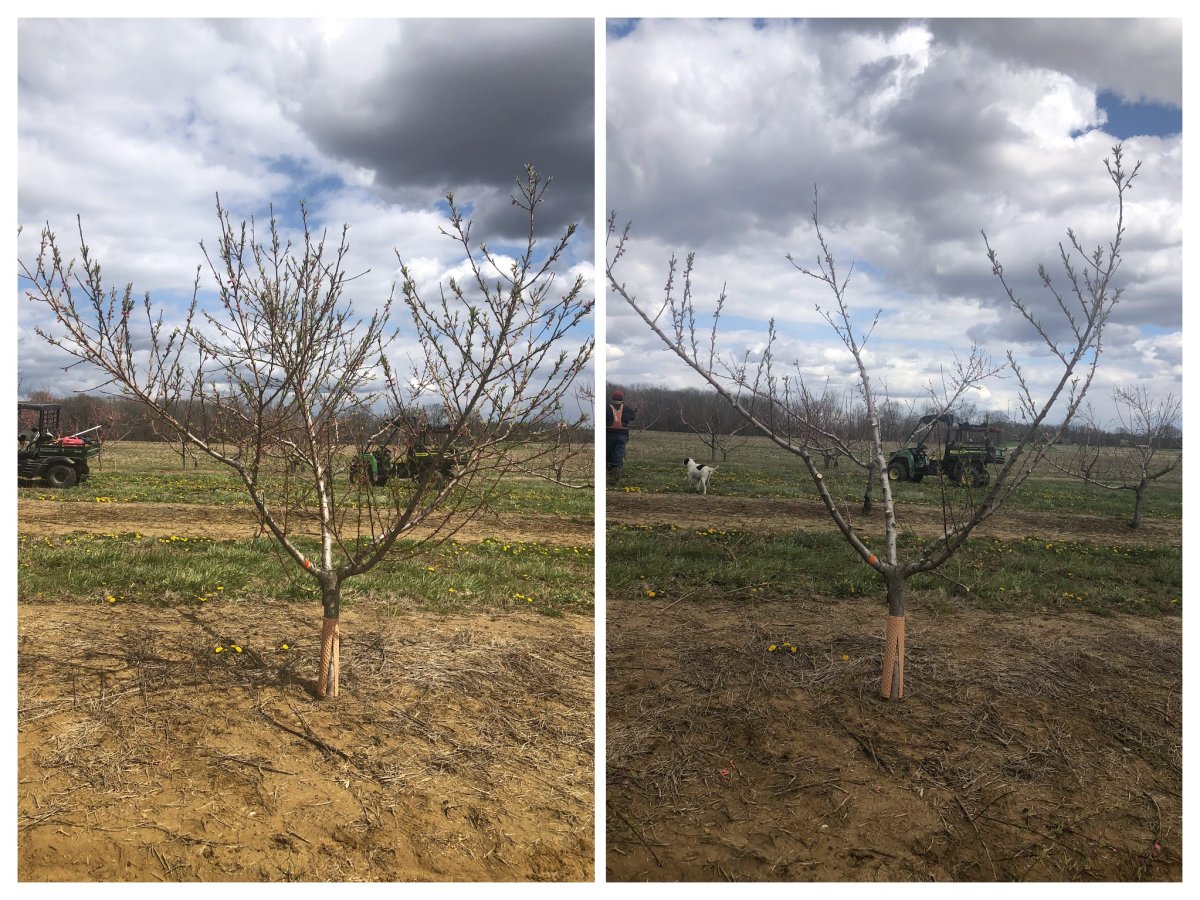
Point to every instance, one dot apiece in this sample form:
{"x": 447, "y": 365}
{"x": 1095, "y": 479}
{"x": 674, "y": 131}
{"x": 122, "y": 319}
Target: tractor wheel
{"x": 59, "y": 475}
{"x": 981, "y": 477}
{"x": 897, "y": 471}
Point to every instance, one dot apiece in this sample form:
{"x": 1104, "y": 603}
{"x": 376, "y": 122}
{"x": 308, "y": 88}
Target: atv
{"x": 59, "y": 462}
{"x": 427, "y": 454}
{"x": 966, "y": 454}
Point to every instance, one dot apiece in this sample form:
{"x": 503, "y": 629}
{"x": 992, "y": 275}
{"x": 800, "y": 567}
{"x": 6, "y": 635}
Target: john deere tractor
{"x": 427, "y": 452}
{"x": 965, "y": 457}
{"x": 41, "y": 454}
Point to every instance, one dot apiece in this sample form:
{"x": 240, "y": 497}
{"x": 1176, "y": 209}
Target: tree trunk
{"x": 1139, "y": 500}
{"x": 331, "y": 641}
{"x": 869, "y": 495}
{"x": 891, "y": 683}
{"x": 327, "y": 676}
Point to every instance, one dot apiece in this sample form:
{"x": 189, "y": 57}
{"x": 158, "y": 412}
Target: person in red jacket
{"x": 617, "y": 432}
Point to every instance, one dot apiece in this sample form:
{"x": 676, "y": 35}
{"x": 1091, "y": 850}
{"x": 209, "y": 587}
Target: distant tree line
{"x": 696, "y": 410}
{"x": 122, "y": 419}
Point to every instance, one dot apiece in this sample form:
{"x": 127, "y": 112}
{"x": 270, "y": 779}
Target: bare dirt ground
{"x": 461, "y": 748}
{"x": 774, "y": 516}
{"x": 234, "y": 522}
{"x": 1027, "y": 748}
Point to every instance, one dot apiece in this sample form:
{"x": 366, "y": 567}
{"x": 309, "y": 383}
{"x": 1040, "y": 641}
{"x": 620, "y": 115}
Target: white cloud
{"x": 136, "y": 124}
{"x": 919, "y": 135}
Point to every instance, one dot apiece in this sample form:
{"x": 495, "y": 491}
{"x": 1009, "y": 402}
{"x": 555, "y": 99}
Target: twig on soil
{"x": 308, "y": 735}
{"x": 1043, "y": 834}
{"x": 254, "y": 765}
{"x": 744, "y": 587}
{"x": 971, "y": 821}
{"x": 638, "y": 835}
{"x": 863, "y": 852}
{"x": 167, "y": 870}
{"x": 1157, "y": 819}
{"x": 865, "y": 744}
{"x": 800, "y": 787}
{"x": 42, "y": 818}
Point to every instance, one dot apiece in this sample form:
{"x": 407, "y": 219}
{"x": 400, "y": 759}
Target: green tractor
{"x": 59, "y": 462}
{"x": 429, "y": 452}
{"x": 967, "y": 453}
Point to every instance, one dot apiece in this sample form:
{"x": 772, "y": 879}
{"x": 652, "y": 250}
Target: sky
{"x": 136, "y": 125}
{"x": 918, "y": 135}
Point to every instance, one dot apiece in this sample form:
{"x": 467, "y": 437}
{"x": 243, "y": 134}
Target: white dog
{"x": 699, "y": 473}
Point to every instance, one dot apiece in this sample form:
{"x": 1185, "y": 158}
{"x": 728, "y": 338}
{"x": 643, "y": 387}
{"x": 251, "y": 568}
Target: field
{"x": 1040, "y": 735}
{"x": 167, "y": 727}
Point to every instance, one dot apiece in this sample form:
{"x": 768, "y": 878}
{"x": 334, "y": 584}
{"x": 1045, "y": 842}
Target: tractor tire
{"x": 59, "y": 475}
{"x": 897, "y": 471}
{"x": 981, "y": 477}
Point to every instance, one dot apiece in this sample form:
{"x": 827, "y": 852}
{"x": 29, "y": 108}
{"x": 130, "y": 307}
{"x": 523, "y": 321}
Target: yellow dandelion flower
{"x": 845, "y": 656}
{"x": 219, "y": 650}
{"x": 651, "y": 593}
{"x": 236, "y": 648}
{"x": 771, "y": 649}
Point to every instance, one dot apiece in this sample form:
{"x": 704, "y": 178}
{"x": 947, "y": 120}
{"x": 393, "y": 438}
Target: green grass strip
{"x": 453, "y": 577}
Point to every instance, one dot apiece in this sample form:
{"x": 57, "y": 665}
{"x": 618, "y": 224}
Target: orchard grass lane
{"x": 758, "y": 468}
{"x": 667, "y": 564}
{"x": 108, "y": 570}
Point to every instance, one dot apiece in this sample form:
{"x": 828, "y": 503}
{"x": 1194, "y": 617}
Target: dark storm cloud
{"x": 1124, "y": 54}
{"x": 464, "y": 105}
